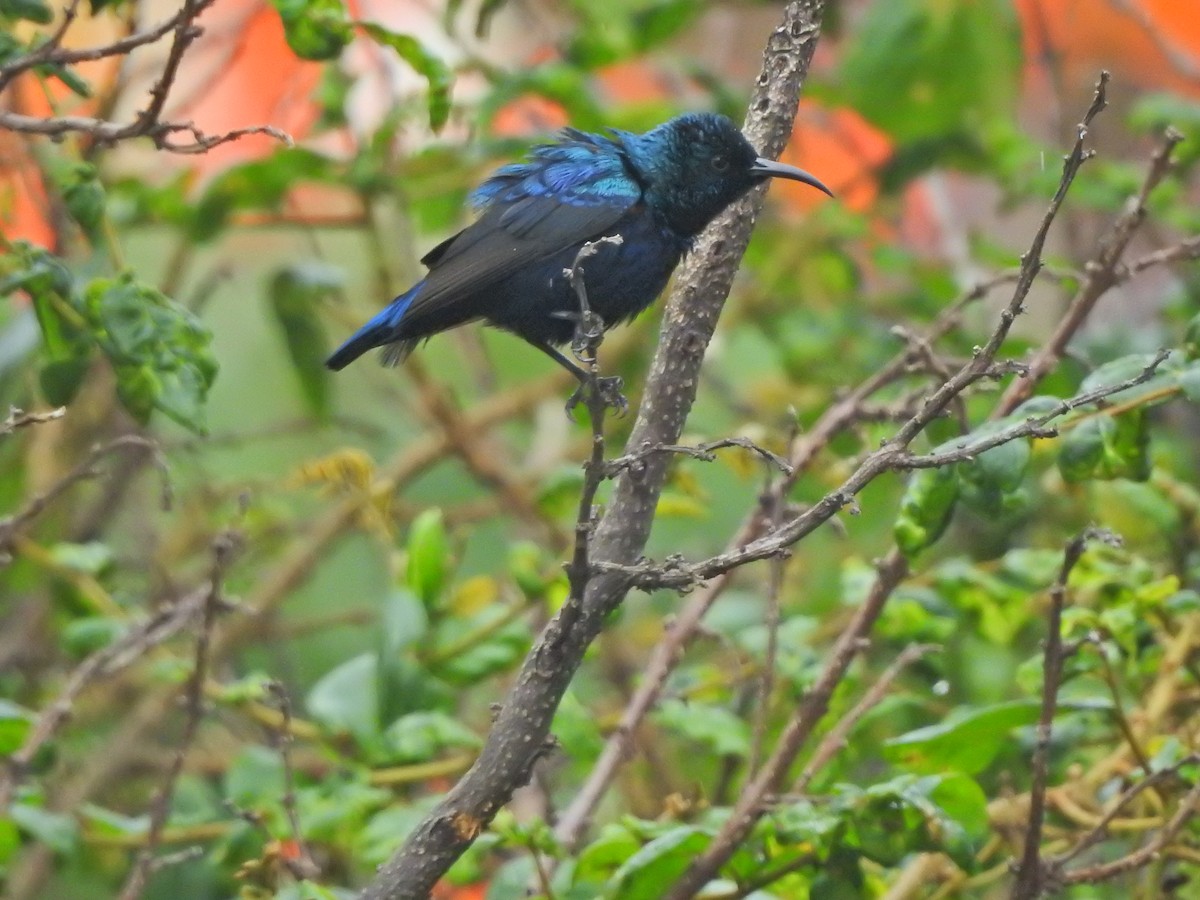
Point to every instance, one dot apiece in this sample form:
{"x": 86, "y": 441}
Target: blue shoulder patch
{"x": 580, "y": 169}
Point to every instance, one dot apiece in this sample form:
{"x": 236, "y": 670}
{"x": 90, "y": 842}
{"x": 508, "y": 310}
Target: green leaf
{"x": 425, "y": 64}
{"x": 965, "y": 826}
{"x": 15, "y": 722}
{"x": 10, "y": 841}
{"x": 658, "y": 863}
{"x": 1191, "y": 340}
{"x": 662, "y": 20}
{"x": 58, "y": 831}
{"x": 48, "y": 282}
{"x": 69, "y": 77}
{"x": 576, "y": 729}
{"x": 404, "y": 683}
{"x": 906, "y": 814}
{"x": 1154, "y": 112}
{"x": 967, "y": 741}
{"x": 1106, "y": 447}
{"x": 106, "y": 821}
{"x": 529, "y": 567}
{"x": 345, "y": 699}
{"x": 386, "y": 829}
{"x": 83, "y": 196}
{"x": 422, "y": 736}
{"x": 255, "y": 778}
{"x": 501, "y": 649}
{"x": 61, "y": 379}
{"x": 991, "y": 482}
{"x": 1189, "y": 382}
{"x": 314, "y": 29}
{"x": 715, "y": 727}
{"x": 159, "y": 351}
{"x": 295, "y": 293}
{"x": 925, "y": 509}
{"x": 30, "y": 10}
{"x": 606, "y": 854}
{"x": 970, "y": 737}
{"x": 92, "y": 558}
{"x": 927, "y": 70}
{"x": 1129, "y": 367}
{"x": 91, "y": 633}
{"x": 428, "y": 556}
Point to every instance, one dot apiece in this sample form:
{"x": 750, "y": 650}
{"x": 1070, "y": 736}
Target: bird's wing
{"x": 568, "y": 193}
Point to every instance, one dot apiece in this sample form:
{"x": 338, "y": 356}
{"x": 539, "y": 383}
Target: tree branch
{"x": 522, "y": 725}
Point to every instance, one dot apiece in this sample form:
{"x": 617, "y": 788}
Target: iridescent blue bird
{"x": 657, "y": 191}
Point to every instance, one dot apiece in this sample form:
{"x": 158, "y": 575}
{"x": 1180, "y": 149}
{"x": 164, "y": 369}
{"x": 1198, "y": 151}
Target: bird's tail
{"x": 383, "y": 329}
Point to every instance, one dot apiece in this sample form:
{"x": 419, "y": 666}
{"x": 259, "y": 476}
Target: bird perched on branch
{"x": 655, "y": 192}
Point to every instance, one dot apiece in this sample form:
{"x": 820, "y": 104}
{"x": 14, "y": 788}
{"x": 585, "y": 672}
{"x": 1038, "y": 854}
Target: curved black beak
{"x": 769, "y": 168}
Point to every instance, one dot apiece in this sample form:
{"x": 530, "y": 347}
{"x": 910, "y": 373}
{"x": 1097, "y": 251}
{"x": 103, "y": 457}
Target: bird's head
{"x": 696, "y": 164}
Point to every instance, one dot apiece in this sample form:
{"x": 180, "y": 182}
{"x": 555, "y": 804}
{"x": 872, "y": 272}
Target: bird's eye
{"x": 720, "y": 163}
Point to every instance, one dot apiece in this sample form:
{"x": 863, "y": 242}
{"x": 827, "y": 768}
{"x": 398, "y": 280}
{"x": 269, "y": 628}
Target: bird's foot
{"x": 607, "y": 395}
{"x": 589, "y": 332}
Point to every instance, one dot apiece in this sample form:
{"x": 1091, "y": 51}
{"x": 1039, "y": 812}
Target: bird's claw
{"x": 589, "y": 330}
{"x": 608, "y": 395}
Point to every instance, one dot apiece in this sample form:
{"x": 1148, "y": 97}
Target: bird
{"x": 636, "y": 201}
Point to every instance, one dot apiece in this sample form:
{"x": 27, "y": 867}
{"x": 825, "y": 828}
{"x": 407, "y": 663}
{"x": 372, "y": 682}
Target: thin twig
{"x": 1187, "y": 808}
{"x": 1030, "y": 881}
{"x": 167, "y": 621}
{"x": 835, "y": 740}
{"x": 589, "y": 335}
{"x": 679, "y": 574}
{"x": 1101, "y": 275}
{"x": 1100, "y": 830}
{"x": 703, "y": 452}
{"x": 18, "y": 418}
{"x": 12, "y": 525}
{"x": 301, "y": 865}
{"x": 51, "y": 52}
{"x": 766, "y": 679}
{"x": 149, "y": 122}
{"x": 1110, "y": 680}
{"x": 160, "y": 807}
